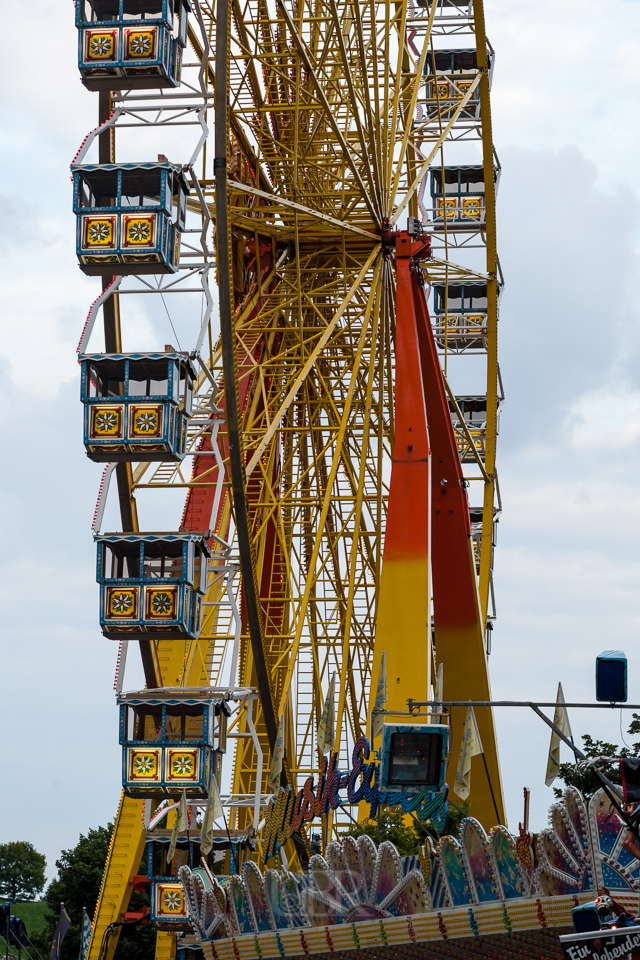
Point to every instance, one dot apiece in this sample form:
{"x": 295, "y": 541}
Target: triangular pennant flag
{"x": 61, "y": 929}
{"x": 438, "y": 694}
{"x": 213, "y": 811}
{"x": 561, "y": 720}
{"x": 276, "y": 758}
{"x": 85, "y": 935}
{"x": 471, "y": 747}
{"x": 181, "y": 824}
{"x": 327, "y": 728}
{"x": 377, "y": 714}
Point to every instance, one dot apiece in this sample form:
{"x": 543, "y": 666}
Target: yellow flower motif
{"x": 140, "y": 45}
{"x": 121, "y": 603}
{"x": 172, "y": 901}
{"x": 146, "y": 422}
{"x": 143, "y": 764}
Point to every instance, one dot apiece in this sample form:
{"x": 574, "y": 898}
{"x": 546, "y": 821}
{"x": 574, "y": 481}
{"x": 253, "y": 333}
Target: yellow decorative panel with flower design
{"x": 140, "y": 44}
{"x": 161, "y": 603}
{"x": 122, "y": 603}
{"x": 476, "y": 322}
{"x": 440, "y": 90}
{"x": 144, "y": 764}
{"x": 170, "y": 901}
{"x": 139, "y": 231}
{"x": 462, "y": 88}
{"x": 182, "y": 765}
{"x": 98, "y": 232}
{"x": 472, "y": 207}
{"x": 100, "y": 45}
{"x": 145, "y": 421}
{"x": 106, "y": 422}
{"x": 450, "y": 206}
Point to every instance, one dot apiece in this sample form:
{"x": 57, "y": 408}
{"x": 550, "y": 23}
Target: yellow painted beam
{"x": 123, "y": 860}
{"x": 165, "y": 945}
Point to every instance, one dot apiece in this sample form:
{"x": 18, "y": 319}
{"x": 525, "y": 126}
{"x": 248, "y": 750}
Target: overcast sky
{"x": 565, "y": 111}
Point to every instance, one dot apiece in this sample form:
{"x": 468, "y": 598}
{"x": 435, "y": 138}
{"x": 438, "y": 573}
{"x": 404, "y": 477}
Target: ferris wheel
{"x": 340, "y": 482}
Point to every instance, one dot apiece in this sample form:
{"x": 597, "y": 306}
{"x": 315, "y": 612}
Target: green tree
{"x": 78, "y": 885}
{"x": 457, "y": 812}
{"x": 392, "y": 826}
{"x": 408, "y": 836}
{"x": 587, "y": 783}
{"x": 21, "y": 870}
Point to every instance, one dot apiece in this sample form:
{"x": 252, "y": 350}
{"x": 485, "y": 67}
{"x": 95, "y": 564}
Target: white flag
{"x": 471, "y": 747}
{"x": 327, "y": 728}
{"x": 561, "y": 720}
{"x": 377, "y": 714}
{"x": 276, "y": 758}
{"x": 438, "y": 694}
{"x": 181, "y": 824}
{"x": 213, "y": 811}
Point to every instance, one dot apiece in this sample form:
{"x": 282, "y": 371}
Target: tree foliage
{"x": 587, "y": 783}
{"x": 21, "y": 870}
{"x": 78, "y": 885}
{"x": 392, "y": 825}
{"x": 407, "y": 835}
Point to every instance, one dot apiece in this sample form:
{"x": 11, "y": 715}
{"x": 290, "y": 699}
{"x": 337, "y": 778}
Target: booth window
{"x": 121, "y": 561}
{"x": 162, "y": 560}
{"x": 148, "y": 378}
{"x": 143, "y": 723}
{"x": 185, "y": 723}
{"x": 415, "y": 759}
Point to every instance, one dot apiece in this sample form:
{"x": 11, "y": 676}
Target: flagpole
{"x": 495, "y": 806}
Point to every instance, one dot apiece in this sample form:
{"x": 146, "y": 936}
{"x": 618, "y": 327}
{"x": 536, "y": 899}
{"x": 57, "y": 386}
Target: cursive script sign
{"x": 288, "y": 811}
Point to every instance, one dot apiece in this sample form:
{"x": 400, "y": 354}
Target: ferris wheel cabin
{"x": 168, "y": 906}
{"x": 460, "y": 316}
{"x": 151, "y": 584}
{"x": 129, "y": 217}
{"x": 449, "y": 74}
{"x": 171, "y": 741}
{"x": 131, "y": 44}
{"x": 137, "y": 406}
{"x": 462, "y": 202}
{"x": 474, "y": 414}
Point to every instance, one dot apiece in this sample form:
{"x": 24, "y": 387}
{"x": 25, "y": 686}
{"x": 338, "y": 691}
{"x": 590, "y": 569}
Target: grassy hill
{"x": 32, "y": 913}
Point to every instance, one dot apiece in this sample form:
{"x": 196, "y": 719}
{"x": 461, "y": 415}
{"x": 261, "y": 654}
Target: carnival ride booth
{"x": 151, "y": 584}
{"x": 129, "y": 217}
{"x": 474, "y": 414}
{"x": 476, "y": 518}
{"x": 462, "y": 201}
{"x": 131, "y": 44}
{"x": 172, "y": 741}
{"x": 168, "y": 907}
{"x": 460, "y": 316}
{"x": 137, "y": 406}
{"x": 449, "y": 75}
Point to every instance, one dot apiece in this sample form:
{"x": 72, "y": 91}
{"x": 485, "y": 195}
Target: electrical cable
{"x": 111, "y": 929}
{"x": 171, "y": 322}
{"x": 622, "y": 734}
{"x": 33, "y": 946}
